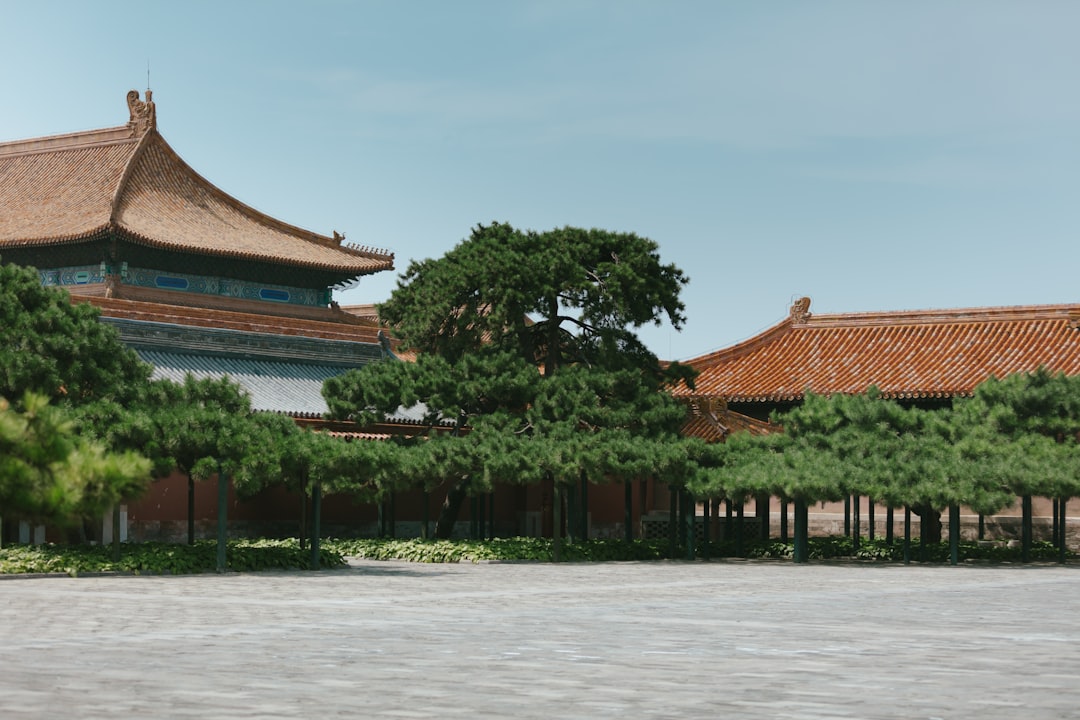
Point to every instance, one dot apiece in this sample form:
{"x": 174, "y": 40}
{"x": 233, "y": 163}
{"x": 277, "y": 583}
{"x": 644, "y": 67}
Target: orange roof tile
{"x": 714, "y": 422}
{"x": 330, "y": 328}
{"x": 127, "y": 180}
{"x": 60, "y": 188}
{"x": 910, "y": 354}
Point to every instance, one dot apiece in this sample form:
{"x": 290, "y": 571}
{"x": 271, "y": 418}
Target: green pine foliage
{"x": 1031, "y": 422}
{"x": 1015, "y": 437}
{"x": 554, "y": 298}
{"x": 527, "y": 345}
{"x": 56, "y": 348}
{"x": 48, "y": 473}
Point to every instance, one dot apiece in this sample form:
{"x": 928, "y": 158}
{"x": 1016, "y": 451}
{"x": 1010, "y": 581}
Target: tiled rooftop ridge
{"x": 70, "y": 141}
{"x": 906, "y": 354}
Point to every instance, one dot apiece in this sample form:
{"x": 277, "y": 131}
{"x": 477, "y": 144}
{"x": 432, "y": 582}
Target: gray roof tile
{"x": 275, "y": 386}
{"x": 291, "y": 388}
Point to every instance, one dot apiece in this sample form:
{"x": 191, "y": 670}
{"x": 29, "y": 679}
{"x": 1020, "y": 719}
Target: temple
{"x": 194, "y": 280}
{"x": 197, "y": 282}
{"x": 919, "y": 357}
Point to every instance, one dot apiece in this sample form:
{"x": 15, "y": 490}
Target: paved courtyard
{"x": 635, "y": 640}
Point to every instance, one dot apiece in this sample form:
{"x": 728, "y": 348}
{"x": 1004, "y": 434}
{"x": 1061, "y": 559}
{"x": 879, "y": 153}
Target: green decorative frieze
{"x": 228, "y": 287}
{"x": 80, "y": 275}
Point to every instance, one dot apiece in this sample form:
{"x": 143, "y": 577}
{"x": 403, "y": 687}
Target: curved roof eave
{"x": 344, "y": 273}
{"x": 161, "y": 201}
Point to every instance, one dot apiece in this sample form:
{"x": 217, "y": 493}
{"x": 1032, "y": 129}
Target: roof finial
{"x": 800, "y": 310}
{"x": 143, "y": 115}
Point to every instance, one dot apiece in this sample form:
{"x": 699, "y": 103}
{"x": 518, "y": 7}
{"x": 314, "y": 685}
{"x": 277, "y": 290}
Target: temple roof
{"x": 910, "y": 354}
{"x": 290, "y": 388}
{"x": 281, "y": 386}
{"x": 128, "y": 181}
{"x": 712, "y": 421}
{"x": 329, "y": 327}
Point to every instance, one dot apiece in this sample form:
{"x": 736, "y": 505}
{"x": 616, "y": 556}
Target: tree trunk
{"x": 761, "y": 509}
{"x": 929, "y": 525}
{"x": 303, "y": 515}
{"x": 1026, "y": 533}
{"x": 907, "y": 535}
{"x": 689, "y": 523}
{"x": 740, "y": 534}
{"x": 451, "y": 508}
{"x": 556, "y": 523}
{"x": 673, "y": 520}
{"x": 802, "y": 531}
{"x": 954, "y": 534}
{"x": 116, "y": 531}
{"x": 455, "y": 496}
{"x": 783, "y": 520}
{"x": 706, "y": 529}
{"x": 571, "y": 514}
{"x": 426, "y": 516}
{"x": 643, "y": 500}
{"x": 190, "y": 510}
{"x": 583, "y": 516}
{"x": 222, "y": 519}
{"x": 316, "y": 523}
{"x": 1062, "y": 551}
{"x": 1054, "y": 523}
{"x": 856, "y": 521}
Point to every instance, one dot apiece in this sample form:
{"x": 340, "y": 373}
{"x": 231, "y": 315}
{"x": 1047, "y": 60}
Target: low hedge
{"x": 540, "y": 549}
{"x": 153, "y": 558}
{"x": 506, "y": 549}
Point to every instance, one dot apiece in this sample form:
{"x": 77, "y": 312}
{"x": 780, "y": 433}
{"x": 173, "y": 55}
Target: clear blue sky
{"x": 870, "y": 155}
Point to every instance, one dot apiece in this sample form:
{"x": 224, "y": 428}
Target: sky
{"x": 872, "y": 156}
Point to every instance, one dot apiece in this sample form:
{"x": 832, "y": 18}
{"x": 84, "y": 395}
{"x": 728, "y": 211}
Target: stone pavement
{"x": 634, "y": 640}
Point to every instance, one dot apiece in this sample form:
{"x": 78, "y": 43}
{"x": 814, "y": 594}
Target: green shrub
{"x": 254, "y": 555}
{"x": 505, "y": 549}
{"x": 152, "y": 558}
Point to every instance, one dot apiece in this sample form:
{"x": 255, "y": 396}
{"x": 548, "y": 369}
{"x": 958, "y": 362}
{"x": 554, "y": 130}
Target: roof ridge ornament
{"x": 800, "y": 310}
{"x": 143, "y": 114}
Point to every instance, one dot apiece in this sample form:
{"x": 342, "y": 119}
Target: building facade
{"x": 921, "y": 357}
{"x": 195, "y": 281}
{"x": 198, "y": 283}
